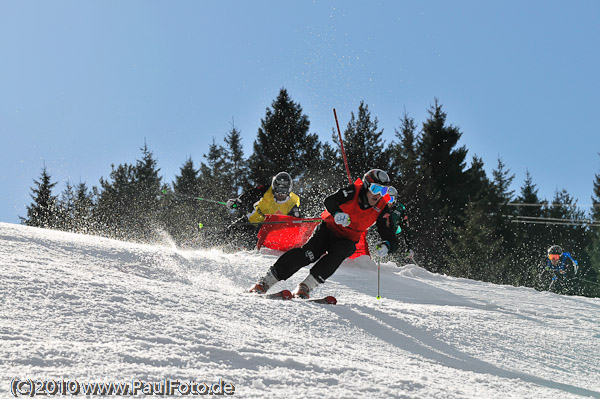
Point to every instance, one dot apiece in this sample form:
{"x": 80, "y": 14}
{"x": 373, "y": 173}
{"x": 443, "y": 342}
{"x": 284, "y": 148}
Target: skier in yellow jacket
{"x": 278, "y": 199}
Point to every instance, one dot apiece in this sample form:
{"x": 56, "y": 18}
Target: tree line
{"x": 463, "y": 222}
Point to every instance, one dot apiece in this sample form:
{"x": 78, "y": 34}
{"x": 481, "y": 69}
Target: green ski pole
{"x": 214, "y": 201}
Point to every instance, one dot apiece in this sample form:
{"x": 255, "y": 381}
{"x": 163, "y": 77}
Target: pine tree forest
{"x": 463, "y": 222}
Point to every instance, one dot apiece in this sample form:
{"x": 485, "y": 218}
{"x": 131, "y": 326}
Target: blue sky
{"x": 84, "y": 83}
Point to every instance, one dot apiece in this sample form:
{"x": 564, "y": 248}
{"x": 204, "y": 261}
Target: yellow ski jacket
{"x": 267, "y": 205}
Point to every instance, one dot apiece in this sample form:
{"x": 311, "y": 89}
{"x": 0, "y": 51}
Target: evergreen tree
{"x": 565, "y": 230}
{"x": 404, "y": 161}
{"x": 479, "y": 186}
{"x": 114, "y": 213}
{"x": 283, "y": 142}
{"x": 214, "y": 179}
{"x": 531, "y": 238}
{"x": 147, "y": 193}
{"x": 83, "y": 209}
{"x": 363, "y": 144}
{"x": 66, "y": 209}
{"x": 43, "y": 211}
{"x": 129, "y": 205}
{"x": 187, "y": 182}
{"x": 476, "y": 248}
{"x": 182, "y": 209}
{"x": 315, "y": 185}
{"x": 215, "y": 176}
{"x": 591, "y": 274}
{"x": 595, "y": 211}
{"x": 403, "y": 167}
{"x": 444, "y": 164}
{"x": 237, "y": 165}
{"x": 476, "y": 252}
{"x": 147, "y": 180}
{"x": 500, "y": 195}
{"x": 443, "y": 187}
{"x": 404, "y": 172}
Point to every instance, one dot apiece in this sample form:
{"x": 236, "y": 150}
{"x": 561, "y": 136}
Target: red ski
{"x": 283, "y": 294}
{"x": 287, "y": 295}
{"x": 328, "y": 300}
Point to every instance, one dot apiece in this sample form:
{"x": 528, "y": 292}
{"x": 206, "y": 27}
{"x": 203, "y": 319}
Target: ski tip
{"x": 286, "y": 294}
{"x": 331, "y": 300}
{"x": 328, "y": 300}
{"x": 283, "y": 294}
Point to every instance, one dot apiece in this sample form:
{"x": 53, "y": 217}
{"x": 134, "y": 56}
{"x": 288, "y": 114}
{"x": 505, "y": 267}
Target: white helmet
{"x": 282, "y": 183}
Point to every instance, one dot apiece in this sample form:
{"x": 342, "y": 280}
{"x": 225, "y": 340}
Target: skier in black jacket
{"x": 349, "y": 213}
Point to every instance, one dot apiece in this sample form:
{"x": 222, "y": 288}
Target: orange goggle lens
{"x": 554, "y": 257}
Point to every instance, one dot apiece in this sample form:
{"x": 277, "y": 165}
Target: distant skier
{"x": 254, "y": 204}
{"x": 556, "y": 263}
{"x": 398, "y": 221}
{"x": 349, "y": 213}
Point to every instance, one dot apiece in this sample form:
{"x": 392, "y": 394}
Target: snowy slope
{"x": 96, "y": 310}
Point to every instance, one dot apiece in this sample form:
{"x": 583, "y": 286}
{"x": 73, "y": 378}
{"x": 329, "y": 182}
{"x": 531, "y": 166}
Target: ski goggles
{"x": 281, "y": 190}
{"x": 554, "y": 256}
{"x": 378, "y": 189}
{"x": 382, "y": 190}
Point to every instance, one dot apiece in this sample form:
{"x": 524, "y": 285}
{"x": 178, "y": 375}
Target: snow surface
{"x": 97, "y": 310}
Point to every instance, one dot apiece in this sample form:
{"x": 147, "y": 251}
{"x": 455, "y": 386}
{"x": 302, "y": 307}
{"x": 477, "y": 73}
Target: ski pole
{"x": 342, "y": 146}
{"x": 378, "y": 276}
{"x": 214, "y": 201}
{"x": 314, "y": 220}
{"x": 199, "y": 199}
{"x": 591, "y": 282}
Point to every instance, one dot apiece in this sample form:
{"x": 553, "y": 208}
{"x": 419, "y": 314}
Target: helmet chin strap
{"x": 281, "y": 201}
{"x": 362, "y": 198}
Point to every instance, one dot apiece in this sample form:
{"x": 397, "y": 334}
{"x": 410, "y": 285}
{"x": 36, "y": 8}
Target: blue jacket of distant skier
{"x": 560, "y": 267}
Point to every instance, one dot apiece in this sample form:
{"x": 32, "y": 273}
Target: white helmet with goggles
{"x": 282, "y": 183}
{"x": 376, "y": 181}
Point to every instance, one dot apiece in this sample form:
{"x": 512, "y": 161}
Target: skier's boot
{"x": 263, "y": 285}
{"x": 304, "y": 288}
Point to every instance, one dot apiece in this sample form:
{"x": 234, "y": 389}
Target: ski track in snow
{"x": 97, "y": 310}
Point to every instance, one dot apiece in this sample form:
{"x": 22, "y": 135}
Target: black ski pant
{"x": 322, "y": 241}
